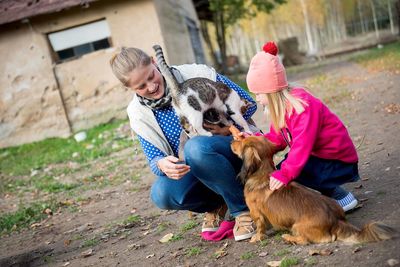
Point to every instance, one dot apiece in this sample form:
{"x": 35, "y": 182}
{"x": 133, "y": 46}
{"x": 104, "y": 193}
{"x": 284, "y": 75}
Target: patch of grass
{"x": 189, "y": 225}
{"x": 194, "y": 251}
{"x": 44, "y": 183}
{"x": 247, "y": 255}
{"x": 22, "y": 159}
{"x": 282, "y": 252}
{"x": 48, "y": 258}
{"x": 386, "y": 58}
{"x": 131, "y": 219}
{"x": 278, "y": 234}
{"x": 25, "y": 216}
{"x": 286, "y": 262}
{"x": 311, "y": 261}
{"x": 162, "y": 227}
{"x": 90, "y": 243}
{"x": 177, "y": 237}
{"x": 263, "y": 243}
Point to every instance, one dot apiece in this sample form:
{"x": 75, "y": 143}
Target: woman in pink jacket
{"x": 321, "y": 153}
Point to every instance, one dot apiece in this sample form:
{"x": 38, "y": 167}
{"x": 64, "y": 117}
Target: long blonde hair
{"x": 126, "y": 61}
{"x": 282, "y": 103}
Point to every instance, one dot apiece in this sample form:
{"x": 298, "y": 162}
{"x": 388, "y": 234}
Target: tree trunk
{"x": 220, "y": 33}
{"x": 361, "y": 16}
{"x": 389, "y": 3}
{"x": 398, "y": 15}
{"x": 311, "y": 48}
{"x": 207, "y": 39}
{"x": 375, "y": 18}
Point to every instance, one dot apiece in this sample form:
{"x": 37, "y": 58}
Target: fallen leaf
{"x": 48, "y": 211}
{"x": 358, "y": 186}
{"x": 67, "y": 263}
{"x": 166, "y": 238}
{"x": 67, "y": 242}
{"x": 133, "y": 246}
{"x": 357, "y": 249}
{"x": 365, "y": 179}
{"x": 87, "y": 253}
{"x": 150, "y": 256}
{"x": 221, "y": 252}
{"x": 363, "y": 200}
{"x": 34, "y": 225}
{"x": 393, "y": 262}
{"x": 274, "y": 263}
{"x": 322, "y": 252}
{"x": 263, "y": 254}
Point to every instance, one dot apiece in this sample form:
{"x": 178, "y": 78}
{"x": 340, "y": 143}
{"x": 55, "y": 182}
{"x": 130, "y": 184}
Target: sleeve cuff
{"x": 153, "y": 166}
{"x": 279, "y": 176}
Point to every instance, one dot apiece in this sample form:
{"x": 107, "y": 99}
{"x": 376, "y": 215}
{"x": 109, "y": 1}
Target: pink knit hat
{"x": 266, "y": 73}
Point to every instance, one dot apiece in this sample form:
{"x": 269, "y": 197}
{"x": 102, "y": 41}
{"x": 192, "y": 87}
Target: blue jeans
{"x": 327, "y": 175}
{"x": 210, "y": 183}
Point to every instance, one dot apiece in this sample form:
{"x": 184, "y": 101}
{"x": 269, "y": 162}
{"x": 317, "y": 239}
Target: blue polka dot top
{"x": 171, "y": 127}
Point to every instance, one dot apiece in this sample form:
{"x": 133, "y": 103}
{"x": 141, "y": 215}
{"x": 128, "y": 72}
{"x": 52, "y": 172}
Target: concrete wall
{"x": 40, "y": 99}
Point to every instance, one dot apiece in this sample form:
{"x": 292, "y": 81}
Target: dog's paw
{"x": 255, "y": 238}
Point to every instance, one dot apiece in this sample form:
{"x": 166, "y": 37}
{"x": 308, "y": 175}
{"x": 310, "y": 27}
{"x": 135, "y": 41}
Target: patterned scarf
{"x": 163, "y": 102}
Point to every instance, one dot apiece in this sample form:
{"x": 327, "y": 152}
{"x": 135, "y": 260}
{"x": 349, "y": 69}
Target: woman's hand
{"x": 275, "y": 184}
{"x": 216, "y": 129}
{"x": 172, "y": 168}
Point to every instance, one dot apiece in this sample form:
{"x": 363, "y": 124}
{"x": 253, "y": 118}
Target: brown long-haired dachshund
{"x": 310, "y": 216}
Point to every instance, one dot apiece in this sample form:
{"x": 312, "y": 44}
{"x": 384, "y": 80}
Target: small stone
{"x": 393, "y": 262}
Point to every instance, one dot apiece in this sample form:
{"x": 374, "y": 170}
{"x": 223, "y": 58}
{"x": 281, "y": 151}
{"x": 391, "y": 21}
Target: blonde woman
{"x": 206, "y": 182}
{"x": 321, "y": 153}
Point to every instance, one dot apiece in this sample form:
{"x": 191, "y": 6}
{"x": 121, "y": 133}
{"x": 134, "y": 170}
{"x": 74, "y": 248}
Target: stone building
{"x": 55, "y": 76}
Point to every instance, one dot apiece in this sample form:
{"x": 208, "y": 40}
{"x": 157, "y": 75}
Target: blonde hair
{"x": 282, "y": 103}
{"x": 126, "y": 61}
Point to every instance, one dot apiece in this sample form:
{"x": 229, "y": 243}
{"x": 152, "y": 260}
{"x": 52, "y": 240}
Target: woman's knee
{"x": 160, "y": 196}
{"x": 196, "y": 147}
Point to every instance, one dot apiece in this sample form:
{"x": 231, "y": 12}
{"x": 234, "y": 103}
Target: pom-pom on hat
{"x": 266, "y": 73}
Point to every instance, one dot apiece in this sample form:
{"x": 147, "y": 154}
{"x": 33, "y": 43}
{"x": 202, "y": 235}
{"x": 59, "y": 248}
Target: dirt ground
{"x": 95, "y": 233}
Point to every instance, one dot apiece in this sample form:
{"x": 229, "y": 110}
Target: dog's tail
{"x": 371, "y": 232}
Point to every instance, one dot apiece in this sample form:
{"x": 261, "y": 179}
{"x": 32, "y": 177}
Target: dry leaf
{"x": 274, "y": 263}
{"x": 363, "y": 200}
{"x": 166, "y": 238}
{"x": 48, "y": 211}
{"x": 322, "y": 252}
{"x": 67, "y": 242}
{"x": 87, "y": 253}
{"x": 221, "y": 252}
{"x": 364, "y": 179}
{"x": 150, "y": 256}
{"x": 357, "y": 249}
{"x": 263, "y": 254}
{"x": 67, "y": 263}
{"x": 392, "y": 262}
{"x": 358, "y": 186}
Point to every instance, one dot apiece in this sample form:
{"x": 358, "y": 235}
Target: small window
{"x": 77, "y": 41}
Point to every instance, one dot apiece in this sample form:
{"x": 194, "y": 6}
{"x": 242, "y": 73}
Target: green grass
{"x": 189, "y": 225}
{"x": 90, "y": 242}
{"x": 22, "y": 159}
{"x": 282, "y": 252}
{"x": 131, "y": 219}
{"x": 25, "y": 216}
{"x": 286, "y": 262}
{"x": 247, "y": 255}
{"x": 194, "y": 251}
{"x": 386, "y": 58}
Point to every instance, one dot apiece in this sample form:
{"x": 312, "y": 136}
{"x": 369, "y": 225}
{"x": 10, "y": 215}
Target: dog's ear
{"x": 251, "y": 162}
